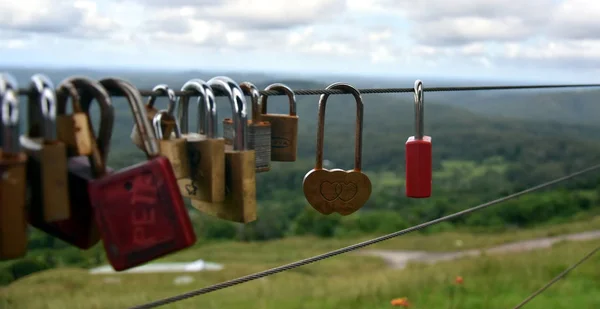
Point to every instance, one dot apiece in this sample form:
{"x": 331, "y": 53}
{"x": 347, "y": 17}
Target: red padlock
{"x": 80, "y": 228}
{"x": 139, "y": 210}
{"x": 418, "y": 153}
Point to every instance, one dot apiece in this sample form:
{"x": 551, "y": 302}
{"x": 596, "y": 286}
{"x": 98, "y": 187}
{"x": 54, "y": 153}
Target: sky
{"x": 538, "y": 40}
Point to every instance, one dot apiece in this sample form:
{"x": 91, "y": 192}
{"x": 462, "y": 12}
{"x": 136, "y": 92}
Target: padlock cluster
{"x": 55, "y": 177}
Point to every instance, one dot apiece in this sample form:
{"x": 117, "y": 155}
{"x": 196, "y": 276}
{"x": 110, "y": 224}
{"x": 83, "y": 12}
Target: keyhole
{"x": 128, "y": 185}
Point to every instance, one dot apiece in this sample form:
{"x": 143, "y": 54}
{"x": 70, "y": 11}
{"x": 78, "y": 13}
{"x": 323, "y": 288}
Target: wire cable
{"x": 146, "y": 92}
{"x": 557, "y": 278}
{"x": 350, "y": 248}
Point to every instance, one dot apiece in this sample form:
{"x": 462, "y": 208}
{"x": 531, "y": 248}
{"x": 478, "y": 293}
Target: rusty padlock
{"x": 259, "y": 132}
{"x": 47, "y": 165}
{"x": 173, "y": 148}
{"x": 13, "y": 165}
{"x": 139, "y": 210}
{"x": 418, "y": 152}
{"x": 80, "y": 228}
{"x": 284, "y": 128}
{"x": 151, "y": 112}
{"x": 205, "y": 151}
{"x": 240, "y": 172}
{"x": 336, "y": 190}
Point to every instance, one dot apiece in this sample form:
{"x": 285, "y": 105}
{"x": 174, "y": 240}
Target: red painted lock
{"x": 80, "y": 228}
{"x": 139, "y": 210}
{"x": 418, "y": 153}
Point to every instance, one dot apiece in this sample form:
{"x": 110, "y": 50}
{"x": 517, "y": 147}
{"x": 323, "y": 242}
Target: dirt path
{"x": 399, "y": 259}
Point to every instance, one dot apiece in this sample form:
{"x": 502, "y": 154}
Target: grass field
{"x": 348, "y": 281}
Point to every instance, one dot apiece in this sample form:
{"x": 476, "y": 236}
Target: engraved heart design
{"x": 351, "y": 189}
{"x": 330, "y": 191}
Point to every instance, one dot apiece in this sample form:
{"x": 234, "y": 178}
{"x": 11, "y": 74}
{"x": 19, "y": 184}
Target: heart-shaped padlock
{"x": 336, "y": 190}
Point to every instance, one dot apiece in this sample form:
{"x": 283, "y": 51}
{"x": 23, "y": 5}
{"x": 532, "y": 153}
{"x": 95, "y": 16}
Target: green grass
{"x": 347, "y": 281}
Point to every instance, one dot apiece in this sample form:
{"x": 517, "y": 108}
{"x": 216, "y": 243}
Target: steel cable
{"x": 350, "y": 248}
{"x": 147, "y": 92}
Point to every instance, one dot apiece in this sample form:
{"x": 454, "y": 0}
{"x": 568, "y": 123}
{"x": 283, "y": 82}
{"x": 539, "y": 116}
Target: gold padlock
{"x": 47, "y": 175}
{"x": 259, "y": 132}
{"x": 74, "y": 129}
{"x": 151, "y": 111}
{"x": 13, "y": 162}
{"x": 174, "y": 148}
{"x": 240, "y": 173}
{"x": 284, "y": 128}
{"x": 336, "y": 190}
{"x": 206, "y": 180}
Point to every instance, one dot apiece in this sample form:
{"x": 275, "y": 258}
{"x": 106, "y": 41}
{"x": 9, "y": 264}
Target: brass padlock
{"x": 174, "y": 148}
{"x": 13, "y": 165}
{"x": 74, "y": 129}
{"x": 284, "y": 128}
{"x": 240, "y": 173}
{"x": 259, "y": 132}
{"x": 336, "y": 190}
{"x": 205, "y": 151}
{"x": 151, "y": 111}
{"x": 47, "y": 165}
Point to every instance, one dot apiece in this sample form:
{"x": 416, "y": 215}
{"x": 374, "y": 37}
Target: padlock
{"x": 80, "y": 228}
{"x": 151, "y": 112}
{"x": 259, "y": 132}
{"x": 418, "y": 153}
{"x": 284, "y": 128}
{"x": 174, "y": 149}
{"x": 139, "y": 210}
{"x": 240, "y": 172}
{"x": 206, "y": 181}
{"x": 336, "y": 190}
{"x": 47, "y": 164}
{"x": 74, "y": 129}
{"x": 13, "y": 165}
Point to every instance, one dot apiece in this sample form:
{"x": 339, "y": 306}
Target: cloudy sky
{"x": 531, "y": 39}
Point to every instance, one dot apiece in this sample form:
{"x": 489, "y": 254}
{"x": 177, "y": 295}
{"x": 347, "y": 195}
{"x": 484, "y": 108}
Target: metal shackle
{"x": 238, "y": 109}
{"x": 9, "y": 110}
{"x": 419, "y": 109}
{"x": 157, "y": 124}
{"x": 207, "y": 111}
{"x": 42, "y": 89}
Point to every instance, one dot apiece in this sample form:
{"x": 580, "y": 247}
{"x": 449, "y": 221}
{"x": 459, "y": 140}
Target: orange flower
{"x": 458, "y": 280}
{"x": 402, "y": 302}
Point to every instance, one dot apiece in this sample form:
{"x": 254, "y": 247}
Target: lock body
{"x": 74, "y": 130}
{"x": 13, "y": 223}
{"x": 141, "y": 214}
{"x": 259, "y": 140}
{"x": 207, "y": 169}
{"x": 418, "y": 167}
{"x": 175, "y": 150}
{"x": 80, "y": 228}
{"x": 284, "y": 136}
{"x": 48, "y": 183}
{"x": 240, "y": 181}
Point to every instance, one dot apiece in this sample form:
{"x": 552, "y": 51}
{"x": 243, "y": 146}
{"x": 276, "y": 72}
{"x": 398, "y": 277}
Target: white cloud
{"x": 480, "y": 33}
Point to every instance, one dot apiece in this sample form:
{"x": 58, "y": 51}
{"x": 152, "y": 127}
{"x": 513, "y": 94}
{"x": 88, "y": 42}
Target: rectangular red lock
{"x": 140, "y": 213}
{"x": 418, "y": 167}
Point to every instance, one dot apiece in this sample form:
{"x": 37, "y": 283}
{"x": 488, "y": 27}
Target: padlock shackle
{"x": 157, "y": 124}
{"x": 82, "y": 91}
{"x": 207, "y": 111}
{"x": 9, "y": 111}
{"x": 164, "y": 89}
{"x": 251, "y": 90}
{"x": 42, "y": 102}
{"x": 283, "y": 88}
{"x": 238, "y": 109}
{"x": 358, "y": 130}
{"x": 138, "y": 109}
{"x": 419, "y": 110}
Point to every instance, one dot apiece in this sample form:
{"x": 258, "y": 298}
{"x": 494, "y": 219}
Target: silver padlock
{"x": 151, "y": 111}
{"x": 259, "y": 132}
